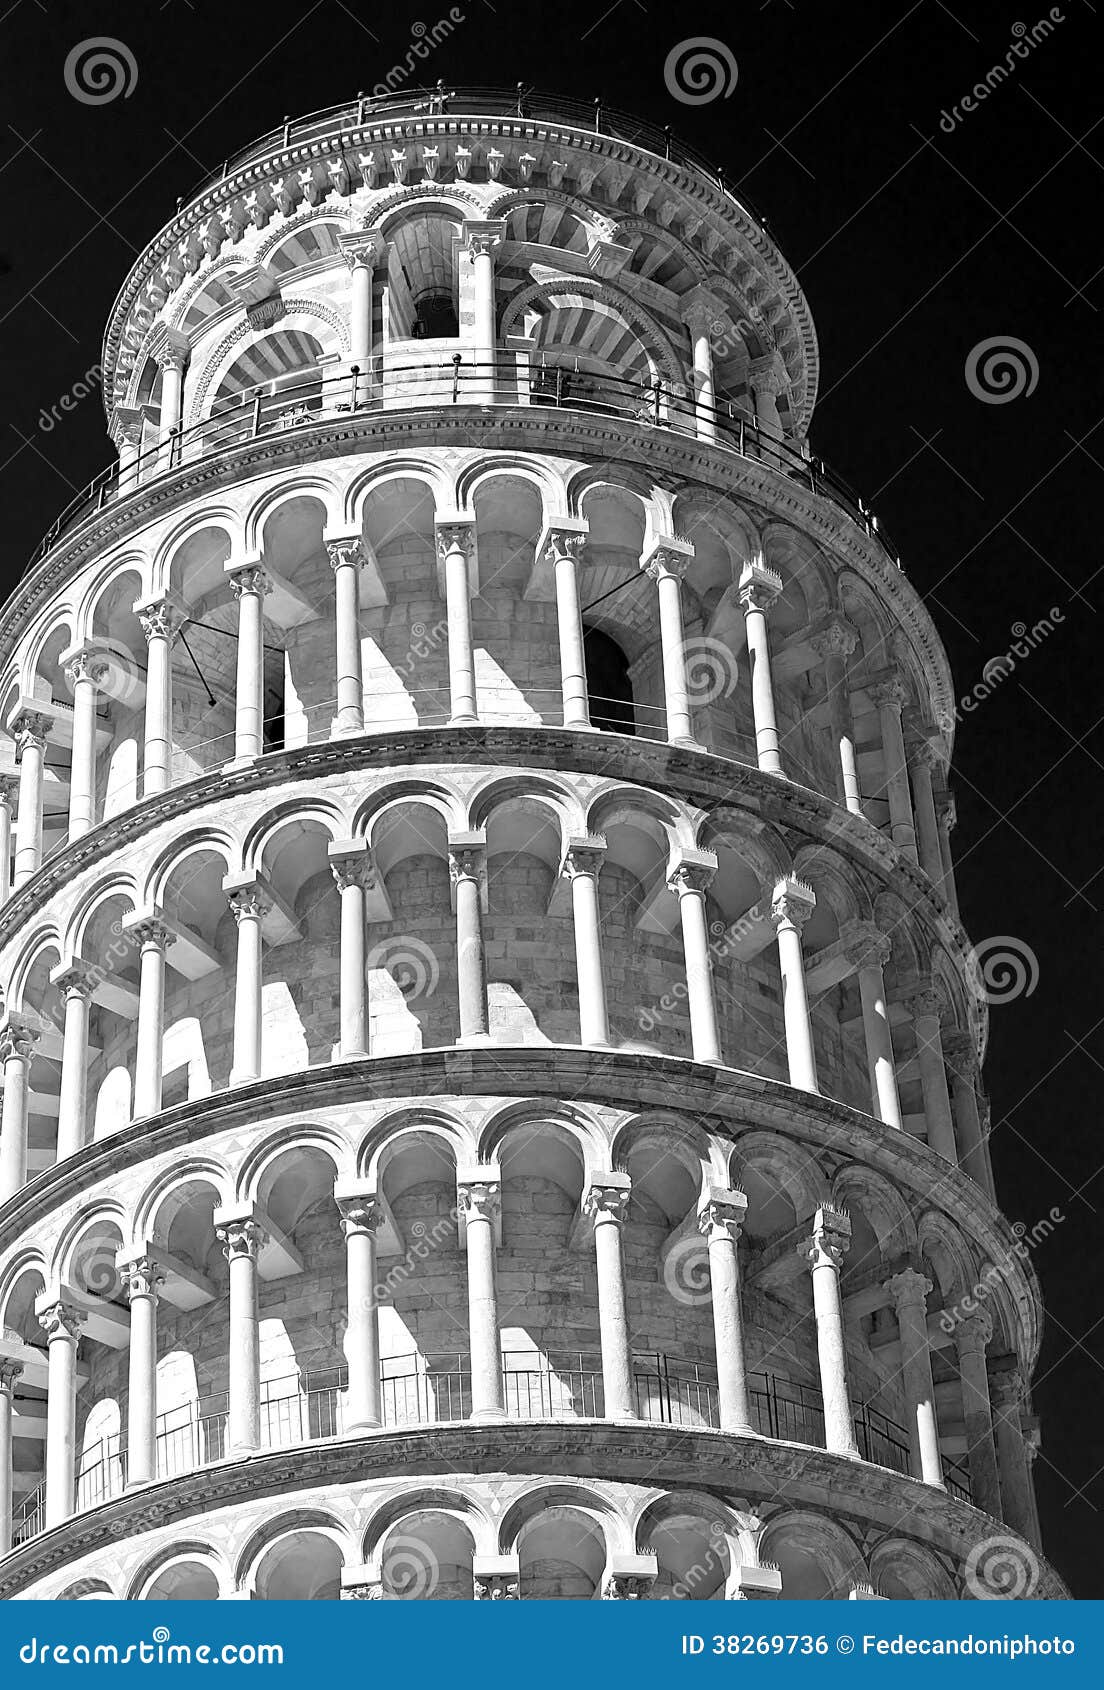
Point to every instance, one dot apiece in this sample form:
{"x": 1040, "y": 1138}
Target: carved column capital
{"x": 483, "y": 239}
{"x": 866, "y": 947}
{"x": 889, "y": 691}
{"x": 60, "y": 1319}
{"x": 10, "y": 1370}
{"x": 691, "y": 873}
{"x": 148, "y": 929}
{"x": 344, "y": 552}
{"x": 667, "y": 557}
{"x": 247, "y": 899}
{"x": 792, "y": 901}
{"x": 909, "y": 1288}
{"x": 584, "y": 854}
{"x": 161, "y": 618}
{"x": 926, "y": 1002}
{"x": 240, "y": 1236}
{"x": 830, "y": 1239}
{"x": 467, "y": 859}
{"x": 835, "y": 638}
{"x": 141, "y": 1276}
{"x": 973, "y": 1335}
{"x": 758, "y": 586}
{"x": 75, "y": 978}
{"x": 30, "y": 728}
{"x": 86, "y": 666}
{"x": 722, "y": 1214}
{"x": 17, "y": 1038}
{"x": 479, "y": 1196}
{"x": 1007, "y": 1388}
{"x": 249, "y": 579}
{"x": 606, "y": 1197}
{"x": 455, "y": 536}
{"x": 360, "y": 1209}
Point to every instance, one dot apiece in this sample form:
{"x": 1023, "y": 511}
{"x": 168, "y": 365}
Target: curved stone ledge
{"x": 753, "y": 1470}
{"x": 502, "y": 428}
{"x": 701, "y": 777}
{"x": 725, "y": 1100}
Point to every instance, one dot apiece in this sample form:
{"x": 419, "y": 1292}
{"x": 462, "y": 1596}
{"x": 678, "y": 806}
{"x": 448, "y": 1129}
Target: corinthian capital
{"x": 160, "y": 618}
{"x": 17, "y": 1038}
{"x": 759, "y": 585}
{"x": 606, "y": 1197}
{"x": 792, "y": 901}
{"x": 483, "y": 239}
{"x": 830, "y": 1238}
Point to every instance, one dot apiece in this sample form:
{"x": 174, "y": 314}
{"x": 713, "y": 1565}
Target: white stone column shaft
{"x": 824, "y": 1251}
{"x": 835, "y": 643}
{"x": 483, "y": 240}
{"x": 933, "y": 1075}
{"x": 759, "y": 587}
{"x": 29, "y": 730}
{"x": 83, "y": 674}
{"x": 17, "y": 1042}
{"x": 582, "y": 866}
{"x": 961, "y": 1052}
{"x": 361, "y": 1218}
{"x": 890, "y": 697}
{"x": 242, "y": 1236}
{"x": 10, "y": 1371}
{"x": 76, "y": 981}
{"x": 142, "y": 1275}
{"x": 246, "y": 897}
{"x": 721, "y": 1220}
{"x": 666, "y": 564}
{"x": 909, "y": 1291}
{"x": 9, "y": 789}
{"x": 1016, "y": 1488}
{"x": 154, "y": 938}
{"x": 606, "y": 1200}
{"x": 161, "y": 621}
{"x": 352, "y": 875}
{"x": 62, "y": 1322}
{"x": 456, "y": 551}
{"x": 972, "y": 1337}
{"x": 791, "y": 906}
{"x": 689, "y": 881}
{"x": 249, "y": 585}
{"x": 921, "y": 762}
{"x": 480, "y": 1203}
{"x": 565, "y": 550}
{"x": 467, "y": 866}
{"x": 870, "y": 955}
{"x": 346, "y": 560}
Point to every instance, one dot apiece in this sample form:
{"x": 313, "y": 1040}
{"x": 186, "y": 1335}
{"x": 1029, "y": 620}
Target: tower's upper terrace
{"x": 603, "y": 193}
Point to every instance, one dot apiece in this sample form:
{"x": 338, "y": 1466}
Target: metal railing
{"x": 373, "y": 117}
{"x": 308, "y": 1407}
{"x": 271, "y": 409}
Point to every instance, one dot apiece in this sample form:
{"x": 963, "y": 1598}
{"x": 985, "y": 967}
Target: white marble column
{"x": 606, "y": 1201}
{"x": 834, "y": 644}
{"x": 721, "y": 1220}
{"x": 767, "y": 381}
{"x": 972, "y": 1337}
{"x": 62, "y": 1322}
{"x": 960, "y": 1050}
{"x": 481, "y": 241}
{"x": 699, "y": 311}
{"x": 125, "y": 433}
{"x": 249, "y": 584}
{"x": 933, "y": 1074}
{"x": 890, "y": 698}
{"x": 759, "y": 587}
{"x": 456, "y": 556}
{"x": 76, "y": 980}
{"x": 346, "y": 560}
{"x": 242, "y": 1236}
{"x": 10, "y": 1371}
{"x": 148, "y": 930}
{"x": 171, "y": 356}
{"x": 946, "y": 815}
{"x": 360, "y": 1212}
{"x": 689, "y": 878}
{"x": 666, "y": 564}
{"x": 870, "y": 952}
{"x": 30, "y": 729}
{"x": 1007, "y": 1395}
{"x": 351, "y": 867}
{"x": 9, "y": 790}
{"x": 909, "y": 1290}
{"x": 480, "y": 1202}
{"x": 923, "y": 758}
{"x": 563, "y": 549}
{"x": 582, "y": 866}
{"x": 245, "y": 895}
{"x": 161, "y": 620}
{"x": 141, "y": 1276}
{"x": 792, "y": 903}
{"x": 84, "y": 673}
{"x": 467, "y": 871}
{"x": 824, "y": 1251}
{"x": 362, "y": 252}
{"x": 17, "y": 1042}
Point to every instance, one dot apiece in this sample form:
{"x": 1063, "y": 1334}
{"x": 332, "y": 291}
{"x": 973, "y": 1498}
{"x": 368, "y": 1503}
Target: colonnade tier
{"x": 289, "y": 1525}
{"x": 360, "y": 916}
{"x": 495, "y": 593}
{"x": 363, "y": 1267}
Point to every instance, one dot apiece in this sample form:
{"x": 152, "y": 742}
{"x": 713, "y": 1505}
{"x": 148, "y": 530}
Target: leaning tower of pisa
{"x": 491, "y": 1099}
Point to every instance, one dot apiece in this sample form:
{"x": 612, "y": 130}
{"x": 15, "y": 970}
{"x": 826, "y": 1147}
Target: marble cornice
{"x": 756, "y": 1474}
{"x": 505, "y": 427}
{"x": 727, "y": 1101}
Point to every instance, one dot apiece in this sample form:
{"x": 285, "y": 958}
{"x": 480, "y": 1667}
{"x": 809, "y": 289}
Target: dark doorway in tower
{"x": 609, "y": 689}
{"x": 436, "y": 317}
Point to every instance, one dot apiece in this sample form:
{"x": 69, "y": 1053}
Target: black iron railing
{"x": 270, "y": 410}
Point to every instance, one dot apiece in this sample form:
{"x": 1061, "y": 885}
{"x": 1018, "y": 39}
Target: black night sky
{"x": 913, "y": 245}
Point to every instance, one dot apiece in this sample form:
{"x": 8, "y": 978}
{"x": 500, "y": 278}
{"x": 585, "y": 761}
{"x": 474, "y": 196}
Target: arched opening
{"x": 305, "y": 1566}
{"x": 276, "y": 379}
{"x": 187, "y": 1581}
{"x": 609, "y": 683}
{"x": 428, "y": 1558}
{"x": 562, "y": 1555}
